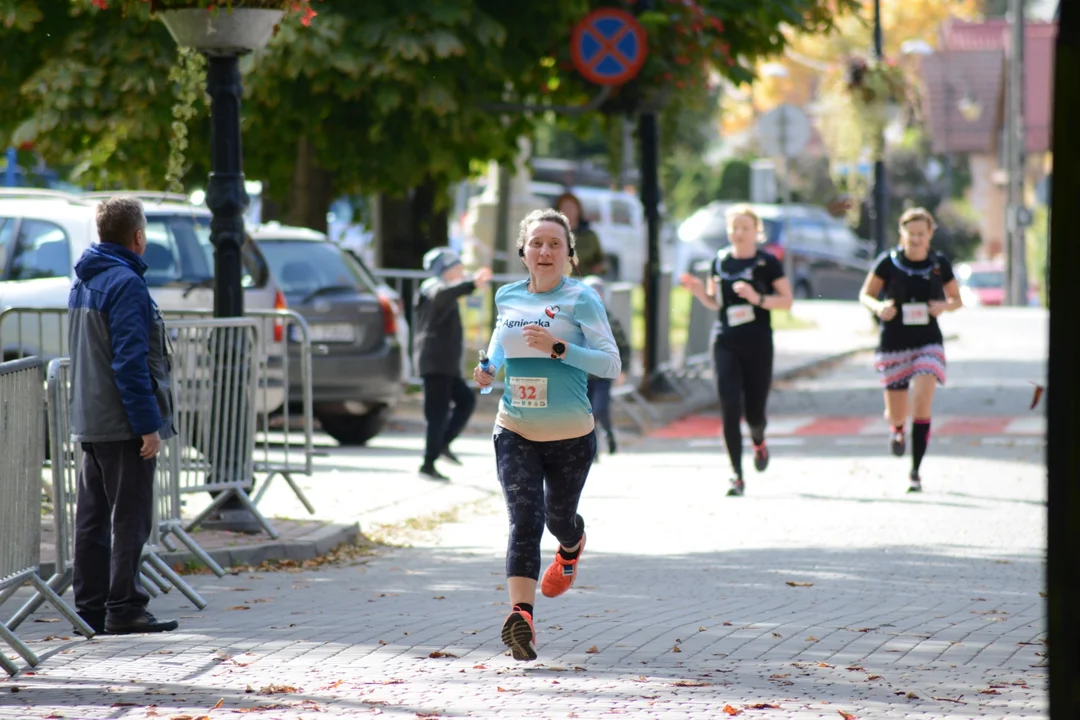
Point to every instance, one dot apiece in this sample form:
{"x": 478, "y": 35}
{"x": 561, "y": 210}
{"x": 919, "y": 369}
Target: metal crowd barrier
{"x": 66, "y": 462}
{"x": 22, "y": 453}
{"x": 284, "y": 425}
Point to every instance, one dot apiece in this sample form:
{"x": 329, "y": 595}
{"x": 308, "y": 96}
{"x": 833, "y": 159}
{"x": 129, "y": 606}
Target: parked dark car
{"x": 822, "y": 256}
{"x": 356, "y": 356}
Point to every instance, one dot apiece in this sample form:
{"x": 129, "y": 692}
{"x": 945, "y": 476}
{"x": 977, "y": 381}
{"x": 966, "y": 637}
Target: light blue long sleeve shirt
{"x": 546, "y": 399}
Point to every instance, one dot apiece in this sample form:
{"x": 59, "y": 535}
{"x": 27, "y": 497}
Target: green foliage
{"x": 189, "y": 77}
{"x": 734, "y": 181}
{"x": 1037, "y": 241}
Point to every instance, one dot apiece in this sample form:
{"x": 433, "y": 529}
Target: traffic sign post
{"x": 608, "y": 47}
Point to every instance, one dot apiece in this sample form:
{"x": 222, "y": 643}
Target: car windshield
{"x": 986, "y": 279}
{"x": 303, "y": 268}
{"x": 178, "y": 250}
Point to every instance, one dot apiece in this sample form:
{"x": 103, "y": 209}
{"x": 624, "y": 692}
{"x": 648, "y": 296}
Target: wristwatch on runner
{"x": 557, "y": 350}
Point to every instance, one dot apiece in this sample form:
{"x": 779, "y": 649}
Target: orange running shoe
{"x": 561, "y": 573}
{"x": 519, "y": 635}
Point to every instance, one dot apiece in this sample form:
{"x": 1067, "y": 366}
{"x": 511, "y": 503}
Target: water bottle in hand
{"x": 485, "y": 365}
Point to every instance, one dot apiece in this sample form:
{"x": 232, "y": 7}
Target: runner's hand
{"x": 692, "y": 283}
{"x": 887, "y": 310}
{"x": 481, "y": 278}
{"x": 937, "y": 307}
{"x": 747, "y": 292}
{"x": 482, "y": 377}
{"x": 150, "y": 445}
{"x": 538, "y": 338}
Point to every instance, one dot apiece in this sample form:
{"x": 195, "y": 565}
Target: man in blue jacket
{"x": 121, "y": 410}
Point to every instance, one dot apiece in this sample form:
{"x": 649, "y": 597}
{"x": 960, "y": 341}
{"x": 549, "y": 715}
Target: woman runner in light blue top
{"x": 551, "y": 334}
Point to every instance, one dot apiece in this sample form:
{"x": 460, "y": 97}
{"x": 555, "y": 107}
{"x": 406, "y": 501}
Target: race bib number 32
{"x": 529, "y": 392}
{"x": 916, "y": 313}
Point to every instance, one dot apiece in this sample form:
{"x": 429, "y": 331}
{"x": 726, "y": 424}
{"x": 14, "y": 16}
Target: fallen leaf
{"x": 181, "y": 717}
{"x": 726, "y": 624}
{"x": 989, "y": 691}
{"x": 763, "y": 706}
{"x": 812, "y": 639}
{"x": 220, "y": 702}
{"x": 873, "y": 677}
{"x": 440, "y": 654}
{"x": 593, "y": 650}
{"x": 911, "y": 696}
{"x": 479, "y": 667}
{"x": 238, "y": 607}
{"x": 277, "y": 690}
{"x": 47, "y": 620}
{"x": 676, "y": 649}
{"x": 847, "y": 715}
{"x": 433, "y": 713}
{"x": 728, "y": 710}
{"x": 1041, "y": 594}
{"x": 440, "y": 597}
{"x": 702, "y": 629}
{"x": 777, "y": 635}
{"x": 825, "y": 665}
{"x": 126, "y": 704}
{"x": 691, "y": 683}
{"x": 792, "y": 583}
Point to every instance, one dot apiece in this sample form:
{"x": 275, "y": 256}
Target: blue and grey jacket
{"x": 120, "y": 359}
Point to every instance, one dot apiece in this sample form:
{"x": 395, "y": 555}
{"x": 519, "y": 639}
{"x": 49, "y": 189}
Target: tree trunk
{"x": 410, "y": 226}
{"x": 311, "y": 192}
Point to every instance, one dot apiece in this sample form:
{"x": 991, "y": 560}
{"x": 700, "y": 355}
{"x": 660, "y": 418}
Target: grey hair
{"x": 118, "y": 218}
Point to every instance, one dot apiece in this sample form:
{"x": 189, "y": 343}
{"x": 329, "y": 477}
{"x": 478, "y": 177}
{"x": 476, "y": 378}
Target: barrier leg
{"x": 59, "y": 583}
{"x": 149, "y": 586}
{"x": 164, "y": 539}
{"x": 9, "y": 667}
{"x": 197, "y": 550}
{"x": 148, "y": 572}
{"x": 18, "y": 646}
{"x": 62, "y": 607}
{"x": 178, "y": 582}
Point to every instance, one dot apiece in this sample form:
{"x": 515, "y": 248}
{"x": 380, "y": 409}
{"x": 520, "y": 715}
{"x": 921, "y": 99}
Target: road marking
{"x": 706, "y": 426}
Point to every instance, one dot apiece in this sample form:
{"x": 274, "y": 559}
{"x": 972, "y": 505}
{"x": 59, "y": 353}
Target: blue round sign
{"x": 608, "y": 46}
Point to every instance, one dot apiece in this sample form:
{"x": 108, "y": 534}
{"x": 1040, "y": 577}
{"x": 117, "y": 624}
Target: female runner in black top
{"x": 918, "y": 285}
{"x": 744, "y": 285}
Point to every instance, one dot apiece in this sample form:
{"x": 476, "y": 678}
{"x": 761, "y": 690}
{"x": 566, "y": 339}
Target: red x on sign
{"x": 608, "y": 46}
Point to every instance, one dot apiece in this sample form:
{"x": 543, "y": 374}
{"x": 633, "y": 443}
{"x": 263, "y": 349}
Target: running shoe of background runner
{"x": 519, "y": 635}
{"x": 896, "y": 442}
{"x": 761, "y": 456}
{"x": 738, "y": 487}
{"x": 916, "y": 483}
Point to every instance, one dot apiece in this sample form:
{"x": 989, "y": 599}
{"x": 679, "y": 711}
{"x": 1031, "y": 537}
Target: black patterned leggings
{"x": 542, "y": 483}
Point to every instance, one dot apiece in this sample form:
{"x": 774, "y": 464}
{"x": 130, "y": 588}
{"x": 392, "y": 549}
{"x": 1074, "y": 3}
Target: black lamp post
{"x": 880, "y": 205}
{"x": 223, "y": 36}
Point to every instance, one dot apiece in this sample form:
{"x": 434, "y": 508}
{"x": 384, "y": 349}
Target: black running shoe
{"x": 761, "y": 456}
{"x": 897, "y": 443}
{"x": 428, "y": 471}
{"x": 916, "y": 483}
{"x": 738, "y": 487}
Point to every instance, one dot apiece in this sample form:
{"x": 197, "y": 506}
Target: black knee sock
{"x": 524, "y": 606}
{"x": 920, "y": 438}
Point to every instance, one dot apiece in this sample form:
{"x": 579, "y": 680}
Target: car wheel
{"x": 803, "y": 291}
{"x": 353, "y": 430}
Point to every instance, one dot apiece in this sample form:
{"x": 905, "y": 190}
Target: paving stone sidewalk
{"x": 826, "y": 592}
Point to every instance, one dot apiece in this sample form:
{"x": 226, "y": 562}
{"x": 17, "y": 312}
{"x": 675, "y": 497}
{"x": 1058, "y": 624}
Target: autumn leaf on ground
{"x": 873, "y": 677}
{"x": 728, "y": 710}
{"x": 763, "y": 706}
{"x": 440, "y": 597}
{"x": 220, "y": 702}
{"x": 726, "y": 624}
{"x": 691, "y": 683}
{"x": 126, "y": 704}
{"x": 792, "y": 583}
{"x": 777, "y": 635}
{"x": 1039, "y": 390}
{"x": 277, "y": 690}
{"x": 989, "y": 691}
{"x": 812, "y": 639}
{"x": 847, "y": 715}
{"x": 593, "y": 650}
{"x": 433, "y": 713}
{"x": 825, "y": 665}
{"x": 676, "y": 649}
{"x": 238, "y": 607}
{"x": 441, "y": 654}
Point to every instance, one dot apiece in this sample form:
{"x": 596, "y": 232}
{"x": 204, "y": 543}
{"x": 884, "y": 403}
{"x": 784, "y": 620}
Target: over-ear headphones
{"x": 521, "y": 252}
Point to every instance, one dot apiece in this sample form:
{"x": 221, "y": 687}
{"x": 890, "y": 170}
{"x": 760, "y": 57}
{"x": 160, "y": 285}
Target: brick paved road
{"x": 920, "y": 607}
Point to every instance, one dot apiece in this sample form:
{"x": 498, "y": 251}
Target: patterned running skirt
{"x": 897, "y": 368}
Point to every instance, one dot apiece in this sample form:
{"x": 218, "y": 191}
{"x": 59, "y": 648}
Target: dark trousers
{"x": 743, "y": 378}
{"x": 443, "y": 426}
{"x": 113, "y": 514}
{"x": 599, "y": 390}
{"x": 542, "y": 484}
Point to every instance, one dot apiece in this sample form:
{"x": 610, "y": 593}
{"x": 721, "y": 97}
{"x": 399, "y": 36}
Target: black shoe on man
{"x": 448, "y": 455}
{"x": 145, "y": 623}
{"x": 428, "y": 471}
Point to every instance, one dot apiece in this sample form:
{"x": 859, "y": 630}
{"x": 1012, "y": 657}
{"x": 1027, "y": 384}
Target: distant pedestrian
{"x": 918, "y": 285}
{"x": 745, "y": 284}
{"x": 439, "y": 344}
{"x": 600, "y": 388}
{"x": 551, "y": 333}
{"x": 589, "y": 250}
{"x": 121, "y": 411}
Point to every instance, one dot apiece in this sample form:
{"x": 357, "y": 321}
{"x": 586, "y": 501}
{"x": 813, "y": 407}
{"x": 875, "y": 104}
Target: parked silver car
{"x": 356, "y": 359}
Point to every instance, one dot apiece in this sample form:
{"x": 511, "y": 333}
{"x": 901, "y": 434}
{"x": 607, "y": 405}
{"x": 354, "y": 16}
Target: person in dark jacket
{"x": 439, "y": 345}
{"x": 121, "y": 409}
{"x": 599, "y": 389}
{"x": 587, "y": 247}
